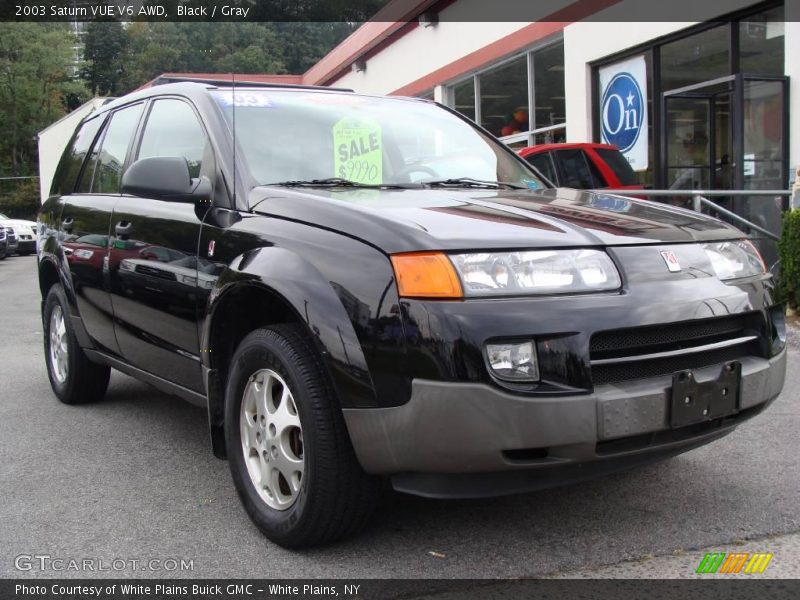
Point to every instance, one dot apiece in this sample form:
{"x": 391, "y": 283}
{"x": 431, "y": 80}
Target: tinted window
{"x": 621, "y": 167}
{"x": 93, "y": 239}
{"x": 70, "y": 165}
{"x": 104, "y": 171}
{"x": 544, "y": 163}
{"x": 173, "y": 130}
{"x": 575, "y": 172}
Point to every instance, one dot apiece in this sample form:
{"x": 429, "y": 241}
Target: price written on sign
{"x": 357, "y": 147}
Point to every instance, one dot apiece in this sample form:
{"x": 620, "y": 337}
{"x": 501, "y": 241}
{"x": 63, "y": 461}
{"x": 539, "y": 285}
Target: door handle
{"x": 123, "y": 229}
{"x": 66, "y": 224}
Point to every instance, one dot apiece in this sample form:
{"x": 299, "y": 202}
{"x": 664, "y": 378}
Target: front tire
{"x": 74, "y": 378}
{"x": 290, "y": 456}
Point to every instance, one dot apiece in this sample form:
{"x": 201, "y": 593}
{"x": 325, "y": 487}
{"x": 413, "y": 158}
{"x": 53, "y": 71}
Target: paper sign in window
{"x": 358, "y": 144}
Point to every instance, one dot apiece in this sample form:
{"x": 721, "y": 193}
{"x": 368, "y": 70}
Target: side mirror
{"x": 165, "y": 178}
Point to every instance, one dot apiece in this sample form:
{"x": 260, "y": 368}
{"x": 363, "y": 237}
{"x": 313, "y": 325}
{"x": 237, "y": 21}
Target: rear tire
{"x": 289, "y": 452}
{"x": 74, "y": 378}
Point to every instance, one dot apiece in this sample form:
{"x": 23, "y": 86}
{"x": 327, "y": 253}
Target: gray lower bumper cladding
{"x": 457, "y": 429}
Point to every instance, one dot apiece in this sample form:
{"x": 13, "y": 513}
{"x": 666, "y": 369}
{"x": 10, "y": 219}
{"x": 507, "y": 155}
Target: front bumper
{"x": 455, "y": 430}
{"x": 26, "y": 246}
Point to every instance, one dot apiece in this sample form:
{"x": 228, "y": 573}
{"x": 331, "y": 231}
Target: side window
{"x": 103, "y": 173}
{"x": 544, "y": 164}
{"x": 173, "y": 129}
{"x": 72, "y": 160}
{"x": 575, "y": 172}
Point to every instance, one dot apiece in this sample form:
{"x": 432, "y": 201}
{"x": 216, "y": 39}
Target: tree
{"x": 305, "y": 43}
{"x": 220, "y": 47}
{"x": 37, "y": 61}
{"x": 105, "y": 43}
{"x": 152, "y": 49}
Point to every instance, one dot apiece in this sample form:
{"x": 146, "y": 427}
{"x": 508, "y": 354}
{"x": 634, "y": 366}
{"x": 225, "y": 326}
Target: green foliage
{"x": 218, "y": 47}
{"x": 43, "y": 76}
{"x": 789, "y": 246}
{"x": 21, "y": 200}
{"x": 104, "y": 46}
{"x": 36, "y": 86}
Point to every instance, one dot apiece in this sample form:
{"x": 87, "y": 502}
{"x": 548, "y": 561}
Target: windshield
{"x": 295, "y": 136}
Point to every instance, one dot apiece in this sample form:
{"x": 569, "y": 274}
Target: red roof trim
{"x": 521, "y": 38}
{"x": 371, "y": 37}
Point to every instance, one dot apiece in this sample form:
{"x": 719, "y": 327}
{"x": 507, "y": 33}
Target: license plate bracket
{"x": 696, "y": 402}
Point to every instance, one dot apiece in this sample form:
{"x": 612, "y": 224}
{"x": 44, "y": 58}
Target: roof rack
{"x": 244, "y": 82}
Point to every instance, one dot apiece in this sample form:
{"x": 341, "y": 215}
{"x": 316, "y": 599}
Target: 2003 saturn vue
{"x": 360, "y": 287}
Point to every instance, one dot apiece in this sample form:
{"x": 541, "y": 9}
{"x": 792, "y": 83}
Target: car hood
{"x": 462, "y": 219}
{"x": 18, "y": 223}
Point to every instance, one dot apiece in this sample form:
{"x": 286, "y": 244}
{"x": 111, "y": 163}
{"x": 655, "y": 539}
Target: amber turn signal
{"x": 426, "y": 275}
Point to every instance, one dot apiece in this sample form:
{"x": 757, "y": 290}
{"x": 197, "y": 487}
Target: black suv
{"x": 359, "y": 286}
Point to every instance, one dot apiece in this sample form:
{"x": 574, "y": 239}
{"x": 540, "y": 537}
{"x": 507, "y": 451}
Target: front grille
{"x": 633, "y": 348}
{"x": 160, "y": 273}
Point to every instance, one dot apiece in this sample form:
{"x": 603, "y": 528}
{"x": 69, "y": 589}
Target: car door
{"x": 91, "y": 190}
{"x": 153, "y": 291}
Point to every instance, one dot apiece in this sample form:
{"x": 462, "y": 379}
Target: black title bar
{"x": 396, "y": 589}
{"x": 426, "y": 11}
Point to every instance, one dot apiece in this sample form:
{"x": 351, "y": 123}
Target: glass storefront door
{"x": 729, "y": 134}
{"x": 699, "y": 138}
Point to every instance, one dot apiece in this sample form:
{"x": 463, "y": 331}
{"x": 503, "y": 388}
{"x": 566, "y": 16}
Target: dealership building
{"x": 708, "y": 104}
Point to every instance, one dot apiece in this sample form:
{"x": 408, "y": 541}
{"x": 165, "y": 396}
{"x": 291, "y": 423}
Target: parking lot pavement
{"x": 132, "y": 478}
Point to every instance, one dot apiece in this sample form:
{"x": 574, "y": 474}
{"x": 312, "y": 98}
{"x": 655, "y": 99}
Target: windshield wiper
{"x": 339, "y": 182}
{"x": 469, "y": 182}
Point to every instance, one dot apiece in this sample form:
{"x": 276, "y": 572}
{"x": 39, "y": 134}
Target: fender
{"x": 51, "y": 254}
{"x": 315, "y": 303}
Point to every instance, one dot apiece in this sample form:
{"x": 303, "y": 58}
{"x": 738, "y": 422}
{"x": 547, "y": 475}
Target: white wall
{"x": 792, "y": 69}
{"x": 586, "y": 42}
{"x": 54, "y": 139}
{"x": 426, "y": 49}
{"x": 421, "y": 52}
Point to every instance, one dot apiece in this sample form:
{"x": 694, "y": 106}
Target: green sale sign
{"x": 357, "y": 147}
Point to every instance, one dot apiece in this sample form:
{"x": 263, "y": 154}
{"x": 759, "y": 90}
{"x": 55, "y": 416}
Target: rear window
{"x": 70, "y": 166}
{"x": 621, "y": 167}
{"x": 544, "y": 165}
{"x": 577, "y": 171}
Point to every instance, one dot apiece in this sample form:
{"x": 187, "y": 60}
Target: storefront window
{"x": 505, "y": 105}
{"x": 557, "y": 135}
{"x": 548, "y": 77}
{"x": 464, "y": 98}
{"x": 761, "y": 43}
{"x": 692, "y": 141}
{"x": 504, "y": 98}
{"x": 700, "y": 57}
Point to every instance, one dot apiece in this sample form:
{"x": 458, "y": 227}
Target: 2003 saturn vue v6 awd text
{"x": 358, "y": 287}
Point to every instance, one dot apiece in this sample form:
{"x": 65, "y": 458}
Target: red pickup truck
{"x": 583, "y": 166}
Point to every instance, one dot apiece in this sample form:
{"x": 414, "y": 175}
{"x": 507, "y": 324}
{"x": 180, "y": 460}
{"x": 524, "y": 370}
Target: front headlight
{"x": 536, "y": 272}
{"x": 732, "y": 260}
